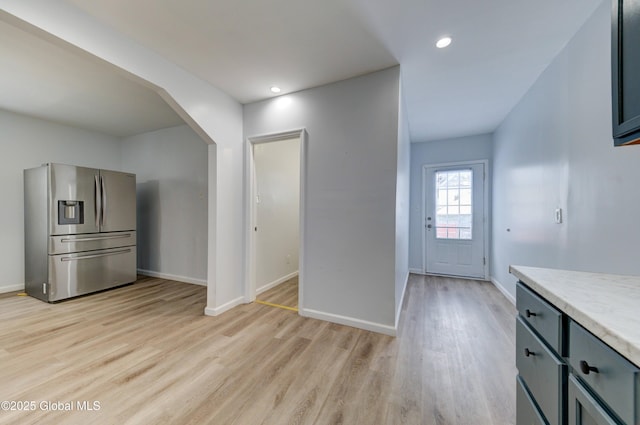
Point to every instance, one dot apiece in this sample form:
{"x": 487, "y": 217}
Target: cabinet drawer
{"x": 542, "y": 316}
{"x": 543, "y": 373}
{"x": 527, "y": 412}
{"x": 614, "y": 379}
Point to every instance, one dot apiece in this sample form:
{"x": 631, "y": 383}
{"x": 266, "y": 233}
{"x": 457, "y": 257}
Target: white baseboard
{"x": 11, "y": 288}
{"x": 453, "y": 276}
{"x": 214, "y": 311}
{"x": 348, "y": 321}
{"x": 504, "y": 291}
{"x": 276, "y": 282}
{"x": 399, "y": 305}
{"x": 416, "y": 271}
{"x": 168, "y": 276}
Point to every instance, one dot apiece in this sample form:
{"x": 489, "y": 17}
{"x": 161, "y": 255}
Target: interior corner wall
{"x": 402, "y": 205}
{"x": 555, "y": 150}
{"x": 29, "y": 142}
{"x": 350, "y": 187}
{"x": 462, "y": 149}
{"x": 171, "y": 174}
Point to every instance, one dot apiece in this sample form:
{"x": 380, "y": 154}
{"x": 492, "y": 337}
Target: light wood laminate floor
{"x": 147, "y": 354}
{"x": 285, "y": 294}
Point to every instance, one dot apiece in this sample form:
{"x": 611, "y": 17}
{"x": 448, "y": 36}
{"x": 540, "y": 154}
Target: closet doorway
{"x": 275, "y": 164}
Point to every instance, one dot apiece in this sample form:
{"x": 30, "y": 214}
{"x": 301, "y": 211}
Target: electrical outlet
{"x": 558, "y": 215}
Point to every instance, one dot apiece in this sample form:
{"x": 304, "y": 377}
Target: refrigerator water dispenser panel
{"x": 70, "y": 212}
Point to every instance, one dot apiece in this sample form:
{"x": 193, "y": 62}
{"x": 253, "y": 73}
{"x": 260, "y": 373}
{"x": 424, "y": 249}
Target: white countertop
{"x": 605, "y": 304}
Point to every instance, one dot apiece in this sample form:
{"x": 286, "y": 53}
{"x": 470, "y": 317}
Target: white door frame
{"x": 485, "y": 163}
{"x": 251, "y": 210}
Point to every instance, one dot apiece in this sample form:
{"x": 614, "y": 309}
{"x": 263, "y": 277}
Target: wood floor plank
{"x": 301, "y": 394}
{"x": 147, "y": 354}
{"x": 285, "y": 294}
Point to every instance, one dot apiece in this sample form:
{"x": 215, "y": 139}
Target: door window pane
{"x": 465, "y": 196}
{"x": 442, "y": 197}
{"x": 454, "y": 216}
{"x": 454, "y": 196}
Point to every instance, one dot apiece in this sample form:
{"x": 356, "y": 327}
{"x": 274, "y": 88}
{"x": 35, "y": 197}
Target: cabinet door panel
{"x": 584, "y": 409}
{"x": 625, "y": 67}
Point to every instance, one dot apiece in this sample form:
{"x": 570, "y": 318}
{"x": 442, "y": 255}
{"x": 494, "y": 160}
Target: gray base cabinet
{"x": 539, "y": 357}
{"x": 566, "y": 375}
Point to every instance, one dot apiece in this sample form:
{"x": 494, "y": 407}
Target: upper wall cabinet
{"x": 625, "y": 67}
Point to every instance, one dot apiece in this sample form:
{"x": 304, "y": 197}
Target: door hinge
{"x": 484, "y": 261}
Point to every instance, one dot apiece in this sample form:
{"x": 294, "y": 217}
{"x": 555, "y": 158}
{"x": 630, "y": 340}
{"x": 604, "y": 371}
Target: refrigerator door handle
{"x": 86, "y": 257}
{"x": 98, "y": 238}
{"x": 98, "y": 201}
{"x": 103, "y": 192}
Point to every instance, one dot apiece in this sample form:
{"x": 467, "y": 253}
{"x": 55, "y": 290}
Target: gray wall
{"x": 350, "y": 193}
{"x": 439, "y": 152}
{"x": 171, "y": 170}
{"x": 555, "y": 150}
{"x": 28, "y": 142}
{"x": 402, "y": 205}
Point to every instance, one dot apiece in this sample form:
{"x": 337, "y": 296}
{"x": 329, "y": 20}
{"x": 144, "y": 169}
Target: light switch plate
{"x": 558, "y": 215}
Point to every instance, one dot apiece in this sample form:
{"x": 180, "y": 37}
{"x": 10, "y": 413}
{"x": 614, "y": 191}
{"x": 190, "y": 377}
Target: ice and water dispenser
{"x": 70, "y": 212}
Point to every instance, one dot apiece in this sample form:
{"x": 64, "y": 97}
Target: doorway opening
{"x": 455, "y": 225}
{"x": 275, "y": 219}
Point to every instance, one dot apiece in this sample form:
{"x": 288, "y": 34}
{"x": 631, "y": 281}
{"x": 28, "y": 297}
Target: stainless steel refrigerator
{"x": 80, "y": 230}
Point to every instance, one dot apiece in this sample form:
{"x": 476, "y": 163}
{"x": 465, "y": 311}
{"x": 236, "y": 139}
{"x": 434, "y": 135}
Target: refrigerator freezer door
{"x": 82, "y": 273}
{"x": 72, "y": 195}
{"x": 118, "y": 201}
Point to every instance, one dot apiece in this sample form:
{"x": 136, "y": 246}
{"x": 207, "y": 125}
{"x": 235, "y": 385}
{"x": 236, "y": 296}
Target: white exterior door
{"x": 454, "y": 221}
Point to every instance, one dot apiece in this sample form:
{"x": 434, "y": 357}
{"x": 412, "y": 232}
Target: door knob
{"x": 429, "y": 226}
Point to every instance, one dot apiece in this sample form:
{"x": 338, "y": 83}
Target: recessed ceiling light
{"x": 443, "y": 42}
{"x": 275, "y": 89}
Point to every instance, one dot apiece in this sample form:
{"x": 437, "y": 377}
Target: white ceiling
{"x": 244, "y": 46}
{"x": 43, "y": 80}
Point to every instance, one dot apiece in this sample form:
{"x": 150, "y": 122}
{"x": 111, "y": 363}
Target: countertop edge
{"x": 608, "y": 335}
